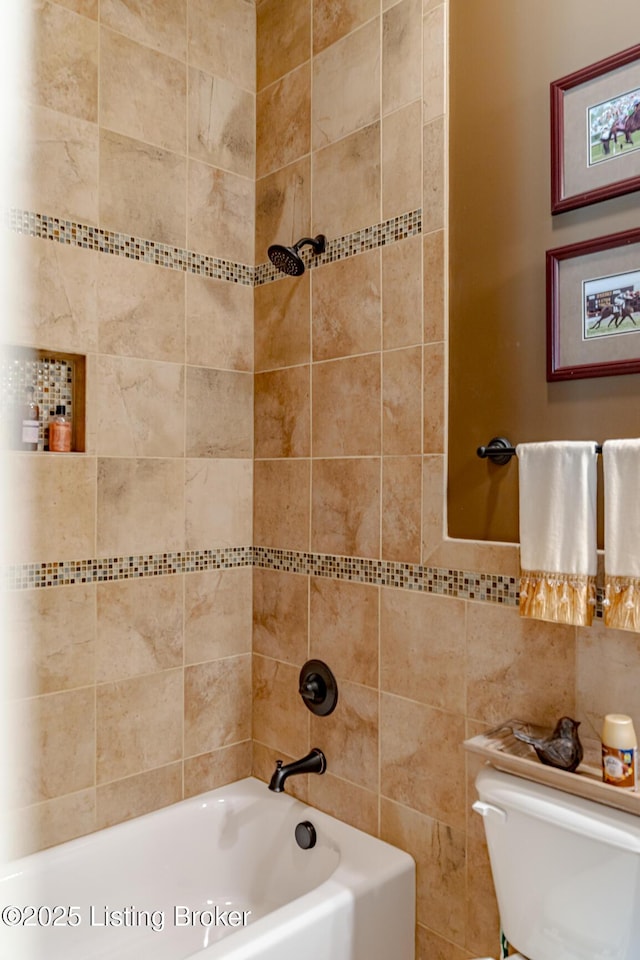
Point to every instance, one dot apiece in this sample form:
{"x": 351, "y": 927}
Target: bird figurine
{"x": 561, "y": 749}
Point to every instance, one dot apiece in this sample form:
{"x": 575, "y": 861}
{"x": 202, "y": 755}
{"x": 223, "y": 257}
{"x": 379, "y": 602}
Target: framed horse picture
{"x": 593, "y": 307}
{"x": 595, "y": 132}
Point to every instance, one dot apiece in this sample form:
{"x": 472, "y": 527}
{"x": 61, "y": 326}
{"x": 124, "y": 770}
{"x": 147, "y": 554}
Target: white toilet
{"x": 566, "y": 870}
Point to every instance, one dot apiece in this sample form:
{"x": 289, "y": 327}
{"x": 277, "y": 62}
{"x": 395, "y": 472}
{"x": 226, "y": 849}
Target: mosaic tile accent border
{"x": 368, "y": 238}
{"x": 463, "y": 584}
{"x": 61, "y": 573}
{"x": 133, "y": 248}
{"x": 83, "y": 235}
{"x": 490, "y": 588}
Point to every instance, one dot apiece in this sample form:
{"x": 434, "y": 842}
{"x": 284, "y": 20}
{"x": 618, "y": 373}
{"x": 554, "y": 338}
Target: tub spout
{"x": 314, "y": 762}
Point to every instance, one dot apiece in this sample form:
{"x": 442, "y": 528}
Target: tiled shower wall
{"x": 133, "y": 680}
{"x": 133, "y": 686}
{"x": 350, "y": 426}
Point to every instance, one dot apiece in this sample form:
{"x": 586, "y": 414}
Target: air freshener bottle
{"x": 30, "y": 422}
{"x": 60, "y": 431}
{"x": 619, "y": 751}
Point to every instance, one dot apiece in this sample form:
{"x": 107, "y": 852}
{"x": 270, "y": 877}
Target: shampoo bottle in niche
{"x": 60, "y": 431}
{"x": 619, "y": 752}
{"x": 29, "y": 422}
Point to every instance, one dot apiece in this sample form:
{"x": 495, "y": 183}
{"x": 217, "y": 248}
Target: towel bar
{"x": 500, "y": 450}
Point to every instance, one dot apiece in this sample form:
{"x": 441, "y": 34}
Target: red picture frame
{"x": 593, "y": 307}
{"x": 578, "y": 102}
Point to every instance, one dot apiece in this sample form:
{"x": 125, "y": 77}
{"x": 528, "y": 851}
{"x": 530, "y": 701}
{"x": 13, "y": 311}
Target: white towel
{"x": 621, "y": 463}
{"x": 558, "y": 547}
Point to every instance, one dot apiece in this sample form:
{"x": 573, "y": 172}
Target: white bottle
{"x": 619, "y": 752}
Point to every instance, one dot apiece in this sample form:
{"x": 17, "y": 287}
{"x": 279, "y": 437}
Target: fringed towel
{"x": 558, "y": 551}
{"x": 621, "y": 463}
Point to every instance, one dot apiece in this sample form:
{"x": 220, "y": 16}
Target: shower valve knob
{"x": 318, "y": 688}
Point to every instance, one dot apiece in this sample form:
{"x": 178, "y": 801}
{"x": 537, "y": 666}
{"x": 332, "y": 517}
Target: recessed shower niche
{"x": 50, "y": 380}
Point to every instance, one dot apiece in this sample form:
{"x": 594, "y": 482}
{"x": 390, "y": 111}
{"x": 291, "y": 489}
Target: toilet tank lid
{"x": 603, "y": 824}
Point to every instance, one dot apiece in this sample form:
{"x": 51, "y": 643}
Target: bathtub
{"x": 216, "y": 876}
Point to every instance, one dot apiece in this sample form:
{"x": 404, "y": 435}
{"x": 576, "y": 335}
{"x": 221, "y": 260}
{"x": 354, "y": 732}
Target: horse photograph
{"x": 612, "y": 125}
{"x": 611, "y": 305}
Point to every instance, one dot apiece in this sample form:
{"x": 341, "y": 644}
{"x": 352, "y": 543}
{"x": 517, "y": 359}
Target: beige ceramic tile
{"x": 402, "y": 402}
{"x": 139, "y": 724}
{"x": 402, "y": 294}
{"x": 140, "y": 506}
{"x": 216, "y": 704}
{"x": 143, "y": 93}
{"x": 344, "y": 628}
{"x": 60, "y": 172}
{"x": 140, "y": 310}
{"x": 281, "y": 413}
{"x": 434, "y": 397}
{"x": 60, "y": 488}
{"x": 281, "y": 504}
{"x": 56, "y": 308}
{"x": 346, "y": 307}
{"x": 517, "y": 667}
{"x": 219, "y": 413}
{"x": 137, "y": 795}
{"x": 401, "y": 55}
{"x": 280, "y": 719}
{"x": 220, "y": 218}
{"x": 401, "y": 161}
{"x": 439, "y": 852}
{"x": 349, "y": 736}
{"x": 433, "y": 499}
{"x": 87, "y": 8}
{"x": 142, "y": 189}
{"x": 434, "y": 63}
{"x": 346, "y": 85}
{"x": 483, "y": 557}
{"x": 430, "y": 946}
{"x": 49, "y": 639}
{"x": 139, "y": 627}
{"x": 346, "y": 407}
{"x": 53, "y": 821}
{"x": 416, "y": 742}
{"x": 140, "y": 406}
{"x": 346, "y": 801}
{"x": 217, "y": 614}
{"x": 282, "y": 327}
{"x": 284, "y": 38}
{"x": 221, "y": 123}
{"x": 53, "y": 744}
{"x": 434, "y": 286}
{"x": 333, "y": 19}
{"x": 433, "y": 151}
{"x": 217, "y": 768}
{"x": 606, "y": 676}
{"x": 423, "y": 648}
{"x": 65, "y": 58}
{"x": 219, "y": 323}
{"x": 283, "y": 208}
{"x": 222, "y": 40}
{"x": 346, "y": 507}
{"x": 218, "y": 503}
{"x": 161, "y": 25}
{"x": 346, "y": 183}
{"x": 283, "y": 114}
{"x": 280, "y": 615}
{"x": 401, "y": 503}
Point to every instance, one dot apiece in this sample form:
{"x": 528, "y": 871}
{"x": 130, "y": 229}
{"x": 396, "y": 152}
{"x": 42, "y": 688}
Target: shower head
{"x": 288, "y": 259}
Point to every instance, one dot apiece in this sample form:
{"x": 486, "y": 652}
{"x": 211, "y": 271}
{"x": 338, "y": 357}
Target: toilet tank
{"x": 566, "y": 870}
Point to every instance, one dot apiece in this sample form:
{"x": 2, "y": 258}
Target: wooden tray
{"x": 504, "y": 752}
